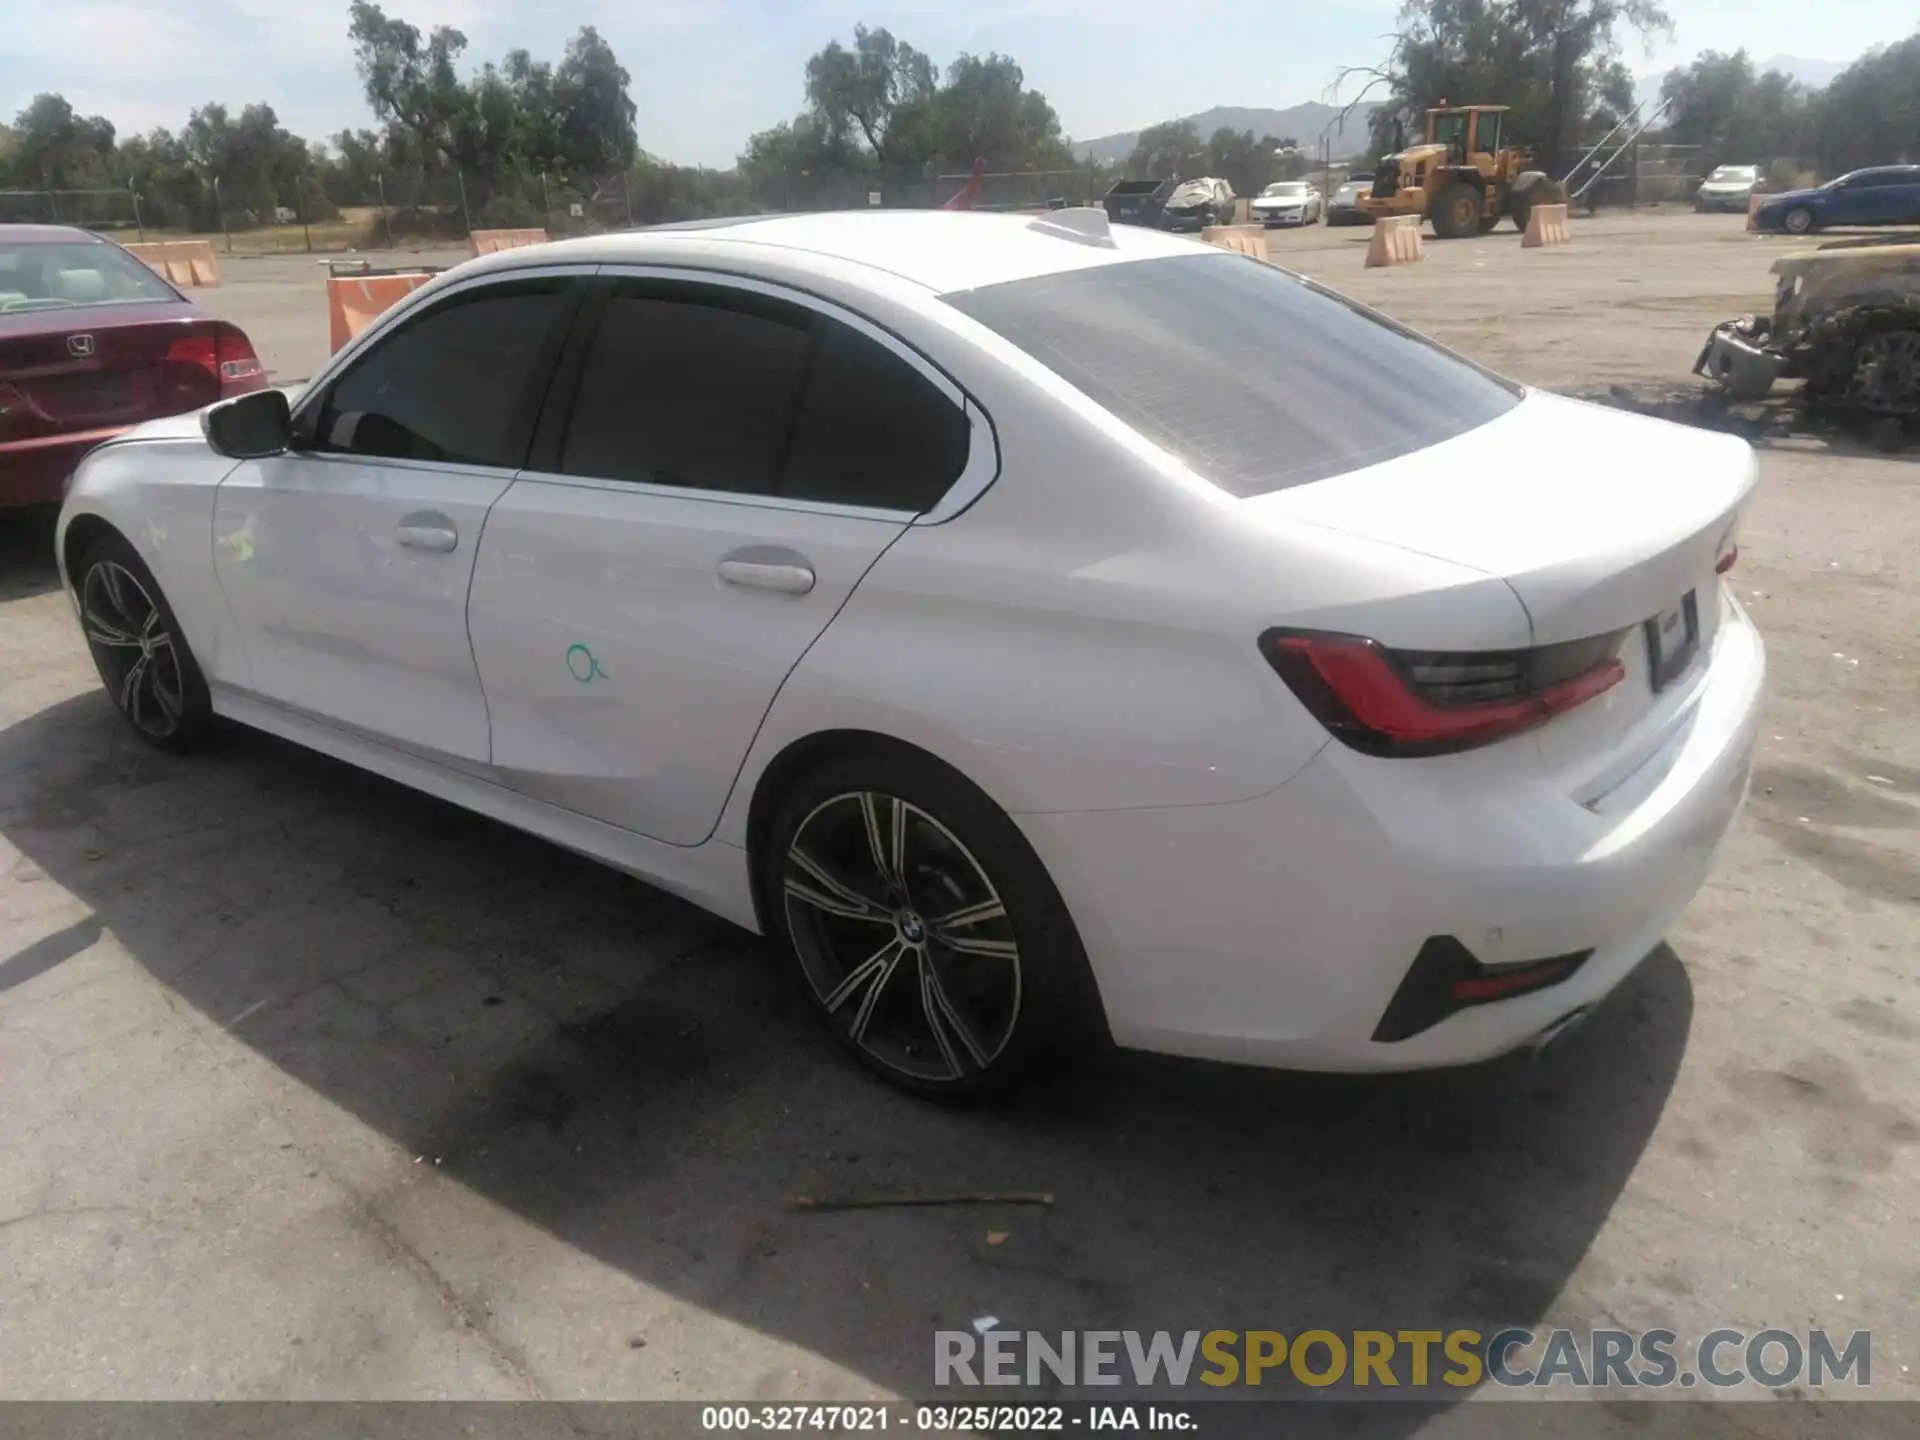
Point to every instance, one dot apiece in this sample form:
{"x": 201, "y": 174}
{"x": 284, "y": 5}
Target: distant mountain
{"x": 1815, "y": 74}
{"x": 1304, "y": 123}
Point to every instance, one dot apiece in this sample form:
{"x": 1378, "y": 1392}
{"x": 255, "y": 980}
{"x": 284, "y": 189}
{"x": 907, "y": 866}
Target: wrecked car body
{"x": 1846, "y": 320}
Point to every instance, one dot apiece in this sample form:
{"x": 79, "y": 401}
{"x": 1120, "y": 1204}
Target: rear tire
{"x": 1456, "y": 213}
{"x": 139, "y": 649}
{"x": 924, "y": 929}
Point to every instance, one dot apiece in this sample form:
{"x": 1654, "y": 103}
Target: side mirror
{"x": 249, "y": 427}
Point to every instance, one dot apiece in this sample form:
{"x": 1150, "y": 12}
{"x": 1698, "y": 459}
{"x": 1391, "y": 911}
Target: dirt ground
{"x": 317, "y": 1088}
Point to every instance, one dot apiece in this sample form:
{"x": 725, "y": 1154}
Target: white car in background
{"x": 1035, "y": 629}
{"x": 1286, "y": 202}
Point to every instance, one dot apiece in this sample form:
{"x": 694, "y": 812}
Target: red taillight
{"x": 1363, "y": 693}
{"x": 1729, "y": 551}
{"x": 225, "y": 354}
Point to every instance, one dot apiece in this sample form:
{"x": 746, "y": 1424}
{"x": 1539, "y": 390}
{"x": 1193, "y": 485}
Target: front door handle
{"x": 765, "y": 575}
{"x": 427, "y": 532}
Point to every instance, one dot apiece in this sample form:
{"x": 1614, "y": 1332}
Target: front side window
{"x": 707, "y": 387}
{"x": 452, "y": 385}
{"x": 1257, "y": 379}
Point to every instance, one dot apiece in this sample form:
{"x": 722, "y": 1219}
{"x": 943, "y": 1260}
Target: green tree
{"x": 985, "y": 111}
{"x": 1871, "y": 112}
{"x": 1173, "y": 147}
{"x": 55, "y": 149}
{"x": 876, "y": 94}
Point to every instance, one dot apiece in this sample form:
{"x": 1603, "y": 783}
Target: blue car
{"x": 1882, "y": 195}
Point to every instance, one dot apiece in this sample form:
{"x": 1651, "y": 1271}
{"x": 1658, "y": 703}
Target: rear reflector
{"x": 1445, "y": 978}
{"x": 1405, "y": 703}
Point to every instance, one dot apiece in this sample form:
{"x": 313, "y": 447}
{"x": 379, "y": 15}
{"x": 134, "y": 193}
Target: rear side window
{"x": 1257, "y": 379}
{"x": 873, "y": 431}
{"x": 688, "y": 386}
{"x": 64, "y": 274}
{"x": 713, "y": 388}
{"x": 453, "y": 385}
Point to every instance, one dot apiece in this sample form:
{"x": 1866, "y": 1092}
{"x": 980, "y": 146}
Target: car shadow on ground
{"x": 26, "y": 552}
{"x": 639, "y": 1080}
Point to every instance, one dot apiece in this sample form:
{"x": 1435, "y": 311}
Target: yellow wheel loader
{"x": 1461, "y": 177}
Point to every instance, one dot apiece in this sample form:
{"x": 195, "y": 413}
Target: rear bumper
{"x": 1278, "y": 930}
{"x": 35, "y": 472}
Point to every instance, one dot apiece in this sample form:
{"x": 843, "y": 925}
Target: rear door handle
{"x": 427, "y": 532}
{"x": 766, "y": 575}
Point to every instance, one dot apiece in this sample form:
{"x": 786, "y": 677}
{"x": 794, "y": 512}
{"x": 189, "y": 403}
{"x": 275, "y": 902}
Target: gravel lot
{"x": 317, "y": 1088}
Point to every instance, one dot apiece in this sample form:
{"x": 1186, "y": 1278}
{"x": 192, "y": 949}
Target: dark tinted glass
{"x": 689, "y": 385}
{"x": 873, "y": 431}
{"x": 452, "y": 385}
{"x": 716, "y": 389}
{"x": 1257, "y": 379}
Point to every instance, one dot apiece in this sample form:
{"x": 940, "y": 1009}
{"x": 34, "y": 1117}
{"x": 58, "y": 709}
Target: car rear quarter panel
{"x": 156, "y": 487}
{"x": 1084, "y": 637}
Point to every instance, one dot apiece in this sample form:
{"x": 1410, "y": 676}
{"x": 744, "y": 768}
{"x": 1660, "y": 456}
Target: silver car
{"x": 1344, "y": 209}
{"x": 1729, "y": 187}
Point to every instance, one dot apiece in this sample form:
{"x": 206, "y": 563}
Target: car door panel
{"x": 632, "y": 639}
{"x": 345, "y": 616}
{"x": 719, "y": 465}
{"x": 346, "y": 561}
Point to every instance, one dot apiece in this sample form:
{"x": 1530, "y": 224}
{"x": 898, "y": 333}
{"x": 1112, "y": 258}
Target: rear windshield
{"x": 63, "y": 274}
{"x": 1256, "y": 378}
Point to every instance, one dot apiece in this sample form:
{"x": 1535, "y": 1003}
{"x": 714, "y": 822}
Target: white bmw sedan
{"x": 1039, "y": 632}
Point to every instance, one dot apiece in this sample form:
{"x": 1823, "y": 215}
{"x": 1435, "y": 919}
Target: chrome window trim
{"x": 983, "y": 447}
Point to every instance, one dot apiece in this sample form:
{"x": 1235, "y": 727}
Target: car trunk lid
{"x": 1600, "y": 522}
{"x": 84, "y": 369}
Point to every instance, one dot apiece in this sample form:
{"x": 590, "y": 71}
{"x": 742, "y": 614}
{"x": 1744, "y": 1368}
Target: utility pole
{"x": 626, "y": 197}
{"x": 386, "y": 220}
{"x": 466, "y": 216}
{"x": 136, "y": 210}
{"x": 220, "y": 209}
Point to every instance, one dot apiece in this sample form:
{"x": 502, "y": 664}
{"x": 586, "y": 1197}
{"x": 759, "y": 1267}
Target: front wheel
{"x": 926, "y": 931}
{"x": 1456, "y": 214}
{"x": 138, "y": 647}
{"x": 1799, "y": 221}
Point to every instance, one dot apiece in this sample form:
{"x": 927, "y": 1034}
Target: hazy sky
{"x": 706, "y": 73}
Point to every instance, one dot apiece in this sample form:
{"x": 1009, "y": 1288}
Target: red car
{"x": 91, "y": 343}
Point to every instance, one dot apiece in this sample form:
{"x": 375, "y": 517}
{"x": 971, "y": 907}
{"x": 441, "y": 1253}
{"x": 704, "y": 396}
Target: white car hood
{"x": 1595, "y": 517}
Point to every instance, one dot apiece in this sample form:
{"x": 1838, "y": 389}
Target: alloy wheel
{"x": 134, "y": 648}
{"x": 903, "y": 937}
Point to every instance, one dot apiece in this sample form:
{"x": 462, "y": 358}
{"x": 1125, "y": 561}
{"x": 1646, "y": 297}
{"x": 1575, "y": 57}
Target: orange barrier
{"x": 1546, "y": 225}
{"x": 486, "y": 242}
{"x": 1250, "y": 240}
{"x": 1395, "y": 241}
{"x": 353, "y": 301}
{"x": 189, "y": 264}
{"x": 1754, "y": 202}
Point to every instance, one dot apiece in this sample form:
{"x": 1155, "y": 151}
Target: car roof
{"x": 941, "y": 250}
{"x": 47, "y": 235}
